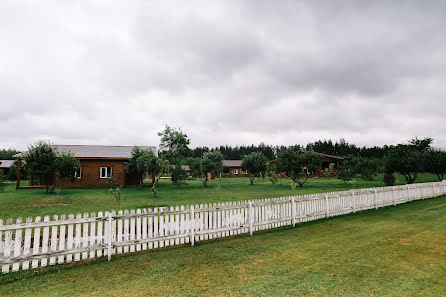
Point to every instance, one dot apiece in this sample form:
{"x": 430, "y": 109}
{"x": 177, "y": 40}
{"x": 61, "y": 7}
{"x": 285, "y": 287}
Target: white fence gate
{"x": 32, "y": 243}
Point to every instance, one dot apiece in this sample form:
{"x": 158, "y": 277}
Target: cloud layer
{"x": 237, "y": 72}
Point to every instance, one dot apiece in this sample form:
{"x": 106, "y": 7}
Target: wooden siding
{"x": 90, "y": 176}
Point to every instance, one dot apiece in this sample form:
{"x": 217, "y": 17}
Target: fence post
{"x": 375, "y": 199}
{"x": 420, "y": 191}
{"x": 250, "y": 217}
{"x": 393, "y": 196}
{"x": 408, "y": 193}
{"x": 354, "y": 200}
{"x": 433, "y": 190}
{"x": 293, "y": 210}
{"x": 110, "y": 235}
{"x": 326, "y": 205}
{"x": 192, "y": 226}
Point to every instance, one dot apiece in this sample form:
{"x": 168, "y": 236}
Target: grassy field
{"x": 395, "y": 251}
{"x": 36, "y": 202}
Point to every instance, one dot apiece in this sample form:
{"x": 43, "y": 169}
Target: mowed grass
{"x": 36, "y": 202}
{"x": 394, "y": 251}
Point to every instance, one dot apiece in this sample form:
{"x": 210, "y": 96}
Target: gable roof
{"x": 232, "y": 163}
{"x": 97, "y": 151}
{"x": 6, "y": 163}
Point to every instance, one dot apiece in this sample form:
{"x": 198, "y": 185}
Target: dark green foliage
{"x": 66, "y": 166}
{"x": 421, "y": 145}
{"x": 40, "y": 159}
{"x": 389, "y": 179}
{"x": 145, "y": 162}
{"x": 195, "y": 167}
{"x": 212, "y": 162}
{"x": 435, "y": 162}
{"x": 255, "y": 163}
{"x": 293, "y": 163}
{"x": 368, "y": 167}
{"x": 338, "y": 148}
{"x": 6, "y": 154}
{"x": 179, "y": 175}
{"x": 132, "y": 165}
{"x": 406, "y": 160}
{"x": 348, "y": 169}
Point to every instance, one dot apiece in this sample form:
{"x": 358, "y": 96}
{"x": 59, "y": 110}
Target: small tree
{"x": 271, "y": 173}
{"x": 348, "y": 169}
{"x": 368, "y": 168}
{"x": 435, "y": 162}
{"x": 66, "y": 166}
{"x": 117, "y": 194}
{"x": 195, "y": 166}
{"x": 212, "y": 162}
{"x": 40, "y": 160}
{"x": 132, "y": 166}
{"x": 406, "y": 160}
{"x": 297, "y": 166}
{"x": 179, "y": 175}
{"x": 255, "y": 163}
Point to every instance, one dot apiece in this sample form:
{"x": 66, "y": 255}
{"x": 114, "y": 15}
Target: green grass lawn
{"x": 395, "y": 251}
{"x": 36, "y": 202}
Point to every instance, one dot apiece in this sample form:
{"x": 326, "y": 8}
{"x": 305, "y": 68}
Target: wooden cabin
{"x": 98, "y": 163}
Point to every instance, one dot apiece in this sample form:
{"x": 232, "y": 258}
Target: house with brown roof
{"x": 233, "y": 168}
{"x": 5, "y": 165}
{"x": 329, "y": 164}
{"x": 98, "y": 163}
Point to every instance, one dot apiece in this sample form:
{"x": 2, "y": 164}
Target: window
{"x": 245, "y": 172}
{"x": 78, "y": 172}
{"x": 235, "y": 171}
{"x": 106, "y": 172}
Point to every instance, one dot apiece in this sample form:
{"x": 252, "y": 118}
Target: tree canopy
{"x": 256, "y": 164}
{"x": 297, "y": 166}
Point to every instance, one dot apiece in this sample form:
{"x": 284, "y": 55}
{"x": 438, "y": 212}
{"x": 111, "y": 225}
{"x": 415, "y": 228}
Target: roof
{"x": 321, "y": 154}
{"x": 232, "y": 163}
{"x": 6, "y": 163}
{"x": 97, "y": 151}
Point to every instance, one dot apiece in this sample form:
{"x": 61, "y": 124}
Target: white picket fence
{"x": 30, "y": 244}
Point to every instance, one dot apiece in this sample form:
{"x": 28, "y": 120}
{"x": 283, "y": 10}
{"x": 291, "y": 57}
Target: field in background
{"x": 23, "y": 203}
{"x": 395, "y": 251}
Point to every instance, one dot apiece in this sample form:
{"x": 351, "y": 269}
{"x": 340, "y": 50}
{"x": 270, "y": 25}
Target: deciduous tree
{"x": 297, "y": 166}
{"x": 255, "y": 163}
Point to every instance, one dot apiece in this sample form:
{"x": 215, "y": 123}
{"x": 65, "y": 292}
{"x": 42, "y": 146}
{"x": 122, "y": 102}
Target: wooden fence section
{"x": 32, "y": 243}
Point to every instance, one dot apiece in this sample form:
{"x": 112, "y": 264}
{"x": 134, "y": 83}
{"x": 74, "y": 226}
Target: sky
{"x": 225, "y": 72}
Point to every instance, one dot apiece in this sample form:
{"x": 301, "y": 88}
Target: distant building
{"x": 97, "y": 164}
{"x": 5, "y": 165}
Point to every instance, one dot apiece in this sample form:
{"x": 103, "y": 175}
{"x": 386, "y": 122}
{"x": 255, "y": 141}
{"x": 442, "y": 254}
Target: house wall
{"x": 90, "y": 176}
{"x": 240, "y": 172}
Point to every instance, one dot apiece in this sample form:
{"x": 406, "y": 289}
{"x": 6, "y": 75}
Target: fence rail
{"x": 32, "y": 243}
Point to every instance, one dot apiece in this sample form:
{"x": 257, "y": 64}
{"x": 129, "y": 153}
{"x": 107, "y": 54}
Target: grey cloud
{"x": 226, "y": 72}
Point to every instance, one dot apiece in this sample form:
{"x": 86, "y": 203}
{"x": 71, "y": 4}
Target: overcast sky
{"x": 226, "y": 72}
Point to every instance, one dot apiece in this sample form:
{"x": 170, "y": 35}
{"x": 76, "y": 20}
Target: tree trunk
{"x": 155, "y": 182}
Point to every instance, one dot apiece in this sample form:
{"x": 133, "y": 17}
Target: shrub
{"x": 389, "y": 179}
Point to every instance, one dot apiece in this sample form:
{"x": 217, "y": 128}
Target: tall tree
{"x": 255, "y": 163}
{"x": 174, "y": 145}
{"x": 297, "y": 166}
